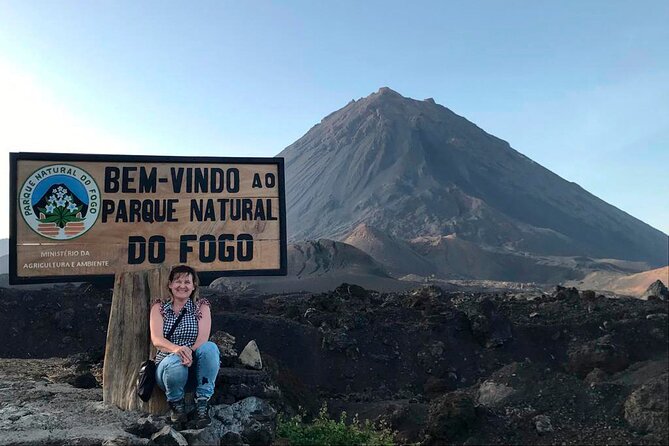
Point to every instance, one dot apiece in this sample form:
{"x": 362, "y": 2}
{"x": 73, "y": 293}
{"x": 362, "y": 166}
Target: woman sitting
{"x": 188, "y": 347}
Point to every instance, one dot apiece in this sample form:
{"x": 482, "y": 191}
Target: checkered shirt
{"x": 186, "y": 332}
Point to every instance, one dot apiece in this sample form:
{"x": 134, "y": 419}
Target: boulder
{"x": 226, "y": 346}
{"x": 601, "y": 353}
{"x": 349, "y": 290}
{"x": 119, "y": 441}
{"x": 168, "y": 436}
{"x": 234, "y": 384}
{"x": 253, "y": 419}
{"x": 145, "y": 427}
{"x": 657, "y": 289}
{"x": 491, "y": 394}
{"x": 562, "y": 293}
{"x": 202, "y": 437}
{"x": 250, "y": 356}
{"x": 450, "y": 417}
{"x": 646, "y": 409}
{"x": 84, "y": 380}
{"x": 596, "y": 376}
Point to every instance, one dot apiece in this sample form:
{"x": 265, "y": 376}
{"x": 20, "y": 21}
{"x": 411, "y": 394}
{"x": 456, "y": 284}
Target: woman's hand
{"x": 185, "y": 354}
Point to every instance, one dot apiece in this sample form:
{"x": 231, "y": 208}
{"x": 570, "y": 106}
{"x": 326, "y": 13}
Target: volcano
{"x": 412, "y": 169}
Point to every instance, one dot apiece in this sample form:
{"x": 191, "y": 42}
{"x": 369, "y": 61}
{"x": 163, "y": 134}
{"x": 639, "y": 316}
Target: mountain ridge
{"x": 413, "y": 168}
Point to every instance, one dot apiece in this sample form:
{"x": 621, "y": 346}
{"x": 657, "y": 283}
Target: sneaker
{"x": 202, "y": 413}
{"x": 178, "y": 411}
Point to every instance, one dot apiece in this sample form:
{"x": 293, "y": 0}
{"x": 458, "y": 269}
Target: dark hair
{"x": 182, "y": 270}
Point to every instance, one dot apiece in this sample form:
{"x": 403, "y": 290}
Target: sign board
{"x": 87, "y": 217}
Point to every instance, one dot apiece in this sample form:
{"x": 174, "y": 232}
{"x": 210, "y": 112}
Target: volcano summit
{"x": 424, "y": 176}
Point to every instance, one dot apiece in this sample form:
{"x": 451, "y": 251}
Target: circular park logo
{"x": 60, "y": 201}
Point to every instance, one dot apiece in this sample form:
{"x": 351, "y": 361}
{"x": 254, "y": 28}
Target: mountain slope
{"x": 318, "y": 266}
{"x": 395, "y": 255}
{"x": 620, "y": 283}
{"x": 414, "y": 168}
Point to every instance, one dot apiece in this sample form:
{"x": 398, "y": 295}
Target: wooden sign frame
{"x": 206, "y": 277}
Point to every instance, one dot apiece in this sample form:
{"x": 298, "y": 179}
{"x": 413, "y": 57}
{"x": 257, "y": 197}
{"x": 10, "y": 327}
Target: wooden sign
{"x": 88, "y": 217}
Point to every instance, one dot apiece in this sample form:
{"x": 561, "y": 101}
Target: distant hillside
{"x": 318, "y": 266}
{"x": 396, "y": 256}
{"x": 624, "y": 284}
{"x": 412, "y": 169}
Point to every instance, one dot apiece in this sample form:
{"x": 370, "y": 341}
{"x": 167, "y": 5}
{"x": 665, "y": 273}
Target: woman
{"x": 188, "y": 347}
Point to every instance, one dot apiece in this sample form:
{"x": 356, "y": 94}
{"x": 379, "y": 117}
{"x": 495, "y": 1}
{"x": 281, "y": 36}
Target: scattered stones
{"x": 250, "y": 356}
{"x": 542, "y": 423}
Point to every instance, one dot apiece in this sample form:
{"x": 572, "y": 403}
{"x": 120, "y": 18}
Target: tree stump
{"x": 129, "y": 341}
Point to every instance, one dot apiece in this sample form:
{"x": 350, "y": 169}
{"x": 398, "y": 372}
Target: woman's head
{"x": 183, "y": 282}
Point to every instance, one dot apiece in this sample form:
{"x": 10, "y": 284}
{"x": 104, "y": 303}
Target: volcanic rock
{"x": 226, "y": 347}
{"x": 169, "y": 437}
{"x": 602, "y": 353}
{"x": 489, "y": 326}
{"x": 657, "y": 289}
{"x": 491, "y": 393}
{"x": 253, "y": 419}
{"x": 450, "y": 417}
{"x": 543, "y": 424}
{"x": 145, "y": 427}
{"x": 250, "y": 356}
{"x": 647, "y": 408}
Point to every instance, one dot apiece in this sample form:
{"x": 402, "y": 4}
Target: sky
{"x": 582, "y": 88}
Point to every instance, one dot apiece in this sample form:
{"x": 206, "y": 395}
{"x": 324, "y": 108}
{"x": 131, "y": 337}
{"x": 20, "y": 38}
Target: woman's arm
{"x": 159, "y": 341}
{"x": 203, "y": 326}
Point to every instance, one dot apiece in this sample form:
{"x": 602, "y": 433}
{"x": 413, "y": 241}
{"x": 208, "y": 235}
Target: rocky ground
{"x": 465, "y": 367}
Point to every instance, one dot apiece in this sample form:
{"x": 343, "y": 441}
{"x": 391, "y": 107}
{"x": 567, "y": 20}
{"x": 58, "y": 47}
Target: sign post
{"x": 128, "y": 220}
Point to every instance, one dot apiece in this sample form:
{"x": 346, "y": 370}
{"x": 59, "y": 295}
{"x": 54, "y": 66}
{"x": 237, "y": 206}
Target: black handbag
{"x": 146, "y": 379}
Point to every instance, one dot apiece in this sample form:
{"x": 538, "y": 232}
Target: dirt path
{"x": 36, "y": 410}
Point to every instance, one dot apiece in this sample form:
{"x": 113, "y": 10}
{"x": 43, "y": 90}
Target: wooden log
{"x": 128, "y": 339}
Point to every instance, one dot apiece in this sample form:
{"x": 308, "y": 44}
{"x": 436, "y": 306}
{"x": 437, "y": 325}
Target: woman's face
{"x": 182, "y": 286}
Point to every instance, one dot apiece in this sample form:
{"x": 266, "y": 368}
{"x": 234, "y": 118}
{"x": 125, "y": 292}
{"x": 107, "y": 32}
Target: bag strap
{"x": 176, "y": 323}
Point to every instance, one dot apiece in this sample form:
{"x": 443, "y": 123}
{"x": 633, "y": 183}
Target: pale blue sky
{"x": 581, "y": 87}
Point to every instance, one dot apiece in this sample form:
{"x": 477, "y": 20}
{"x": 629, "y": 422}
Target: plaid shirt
{"x": 186, "y": 332}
